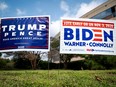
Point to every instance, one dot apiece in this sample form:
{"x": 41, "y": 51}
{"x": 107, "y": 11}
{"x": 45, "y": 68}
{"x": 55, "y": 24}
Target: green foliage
{"x": 92, "y": 62}
{"x": 6, "y": 64}
{"x": 2, "y": 63}
{"x": 100, "y": 62}
{"x": 43, "y": 65}
{"x": 108, "y": 61}
{"x": 93, "y": 65}
{"x": 58, "y": 78}
{"x": 47, "y": 65}
{"x": 10, "y": 66}
{"x": 76, "y": 65}
{"x": 21, "y": 63}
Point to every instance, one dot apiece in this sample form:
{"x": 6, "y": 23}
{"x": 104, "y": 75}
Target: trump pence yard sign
{"x": 24, "y": 34}
{"x": 88, "y": 36}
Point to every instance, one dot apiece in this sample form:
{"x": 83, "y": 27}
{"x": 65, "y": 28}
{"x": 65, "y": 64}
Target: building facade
{"x": 106, "y": 11}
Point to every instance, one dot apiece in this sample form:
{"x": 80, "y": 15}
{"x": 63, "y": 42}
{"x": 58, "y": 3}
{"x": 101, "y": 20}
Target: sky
{"x": 55, "y": 8}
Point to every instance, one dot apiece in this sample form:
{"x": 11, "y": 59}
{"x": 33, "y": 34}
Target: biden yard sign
{"x": 88, "y": 36}
{"x": 24, "y": 34}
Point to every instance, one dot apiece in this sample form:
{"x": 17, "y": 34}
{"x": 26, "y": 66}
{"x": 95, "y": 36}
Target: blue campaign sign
{"x": 25, "y": 34}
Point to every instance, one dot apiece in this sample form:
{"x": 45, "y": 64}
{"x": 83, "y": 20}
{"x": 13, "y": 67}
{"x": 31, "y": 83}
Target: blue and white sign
{"x": 88, "y": 36}
{"x": 25, "y": 34}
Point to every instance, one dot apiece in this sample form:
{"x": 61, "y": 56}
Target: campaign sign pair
{"x": 77, "y": 36}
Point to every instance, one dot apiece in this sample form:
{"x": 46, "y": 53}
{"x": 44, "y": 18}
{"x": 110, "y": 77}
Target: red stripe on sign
{"x": 96, "y": 39}
{"x": 98, "y": 35}
{"x": 95, "y": 30}
{"x": 107, "y": 25}
{"x": 36, "y": 47}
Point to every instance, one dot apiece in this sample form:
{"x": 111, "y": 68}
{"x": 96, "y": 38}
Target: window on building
{"x": 107, "y": 14}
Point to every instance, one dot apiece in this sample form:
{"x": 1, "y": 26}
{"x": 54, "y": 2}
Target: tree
{"x": 31, "y": 56}
{"x": 21, "y": 63}
{"x": 100, "y": 62}
{"x": 65, "y": 58}
{"x": 108, "y": 61}
{"x": 3, "y": 63}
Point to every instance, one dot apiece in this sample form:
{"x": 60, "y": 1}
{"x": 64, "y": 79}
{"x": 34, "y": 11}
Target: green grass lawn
{"x": 58, "y": 78}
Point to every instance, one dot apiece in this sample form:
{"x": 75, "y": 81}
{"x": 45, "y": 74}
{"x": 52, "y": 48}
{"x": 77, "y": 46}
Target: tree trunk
{"x": 65, "y": 65}
{"x": 33, "y": 64}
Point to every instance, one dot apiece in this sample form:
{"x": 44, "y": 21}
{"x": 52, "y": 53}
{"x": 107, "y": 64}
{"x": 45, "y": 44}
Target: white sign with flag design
{"x": 88, "y": 36}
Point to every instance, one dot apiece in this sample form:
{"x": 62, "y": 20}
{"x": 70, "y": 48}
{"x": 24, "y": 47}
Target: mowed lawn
{"x": 58, "y": 78}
